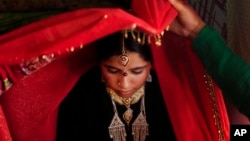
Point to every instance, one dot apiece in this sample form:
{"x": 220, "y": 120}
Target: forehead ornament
{"x": 139, "y": 37}
{"x": 123, "y": 58}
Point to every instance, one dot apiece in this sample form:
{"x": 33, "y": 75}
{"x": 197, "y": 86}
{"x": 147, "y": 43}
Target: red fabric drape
{"x": 186, "y": 94}
{"x": 30, "y": 106}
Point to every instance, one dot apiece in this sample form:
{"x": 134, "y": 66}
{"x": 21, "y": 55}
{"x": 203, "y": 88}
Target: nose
{"x": 124, "y": 82}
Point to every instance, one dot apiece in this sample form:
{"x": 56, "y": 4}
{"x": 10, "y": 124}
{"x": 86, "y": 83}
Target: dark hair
{"x": 112, "y": 45}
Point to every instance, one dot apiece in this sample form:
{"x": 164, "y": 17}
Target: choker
{"x": 139, "y": 127}
{"x": 128, "y": 114}
{"x": 126, "y": 101}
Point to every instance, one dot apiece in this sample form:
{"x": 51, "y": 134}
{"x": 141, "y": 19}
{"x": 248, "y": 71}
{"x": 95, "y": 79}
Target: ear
{"x": 149, "y": 78}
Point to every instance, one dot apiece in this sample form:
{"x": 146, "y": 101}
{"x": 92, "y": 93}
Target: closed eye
{"x": 137, "y": 71}
{"x": 113, "y": 70}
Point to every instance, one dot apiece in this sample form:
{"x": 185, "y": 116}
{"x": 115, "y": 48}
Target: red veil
{"x": 29, "y": 108}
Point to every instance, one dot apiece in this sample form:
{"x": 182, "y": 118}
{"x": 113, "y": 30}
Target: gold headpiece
{"x": 123, "y": 58}
{"x": 142, "y": 37}
{"x": 137, "y": 36}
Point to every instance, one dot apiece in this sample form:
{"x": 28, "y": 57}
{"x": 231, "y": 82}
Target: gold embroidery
{"x": 216, "y": 115}
{"x": 37, "y": 63}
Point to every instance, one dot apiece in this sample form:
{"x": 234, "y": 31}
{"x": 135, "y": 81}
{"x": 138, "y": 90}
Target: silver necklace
{"x": 117, "y": 129}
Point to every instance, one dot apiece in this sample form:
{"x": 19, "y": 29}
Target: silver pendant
{"x": 117, "y": 129}
{"x": 140, "y": 128}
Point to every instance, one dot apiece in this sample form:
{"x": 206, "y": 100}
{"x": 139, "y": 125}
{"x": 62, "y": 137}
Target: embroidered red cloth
{"x": 29, "y": 107}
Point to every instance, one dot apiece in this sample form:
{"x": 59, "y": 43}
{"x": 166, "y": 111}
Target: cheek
{"x": 110, "y": 79}
{"x": 139, "y": 80}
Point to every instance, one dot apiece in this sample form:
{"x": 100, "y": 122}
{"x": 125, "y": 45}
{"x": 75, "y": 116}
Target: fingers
{"x": 188, "y": 23}
{"x": 179, "y": 5}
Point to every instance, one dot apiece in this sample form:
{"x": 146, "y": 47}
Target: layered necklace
{"x": 139, "y": 127}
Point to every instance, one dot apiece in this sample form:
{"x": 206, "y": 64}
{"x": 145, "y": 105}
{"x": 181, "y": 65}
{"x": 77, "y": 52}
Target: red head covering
{"x": 30, "y": 106}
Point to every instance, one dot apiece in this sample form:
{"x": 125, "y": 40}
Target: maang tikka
{"x": 123, "y": 58}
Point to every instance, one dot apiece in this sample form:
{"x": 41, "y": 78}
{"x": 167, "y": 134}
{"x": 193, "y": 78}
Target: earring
{"x": 102, "y": 79}
{"x": 149, "y": 78}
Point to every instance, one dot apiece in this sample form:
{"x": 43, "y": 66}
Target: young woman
{"x": 120, "y": 99}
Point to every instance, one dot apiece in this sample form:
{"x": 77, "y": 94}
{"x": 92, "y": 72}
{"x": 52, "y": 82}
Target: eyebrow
{"x": 112, "y": 67}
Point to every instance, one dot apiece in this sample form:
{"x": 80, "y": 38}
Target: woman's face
{"x": 137, "y": 71}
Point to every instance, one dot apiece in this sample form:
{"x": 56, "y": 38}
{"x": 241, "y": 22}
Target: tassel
{"x": 117, "y": 134}
{"x": 140, "y": 128}
{"x": 117, "y": 129}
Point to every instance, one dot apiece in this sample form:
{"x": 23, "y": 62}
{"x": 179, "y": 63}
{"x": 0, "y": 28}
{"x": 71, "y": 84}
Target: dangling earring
{"x": 102, "y": 79}
{"x": 149, "y": 78}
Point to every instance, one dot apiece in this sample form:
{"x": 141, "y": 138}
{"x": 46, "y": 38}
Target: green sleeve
{"x": 228, "y": 70}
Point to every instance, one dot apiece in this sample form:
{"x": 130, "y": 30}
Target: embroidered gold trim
{"x": 216, "y": 115}
{"x": 35, "y": 64}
